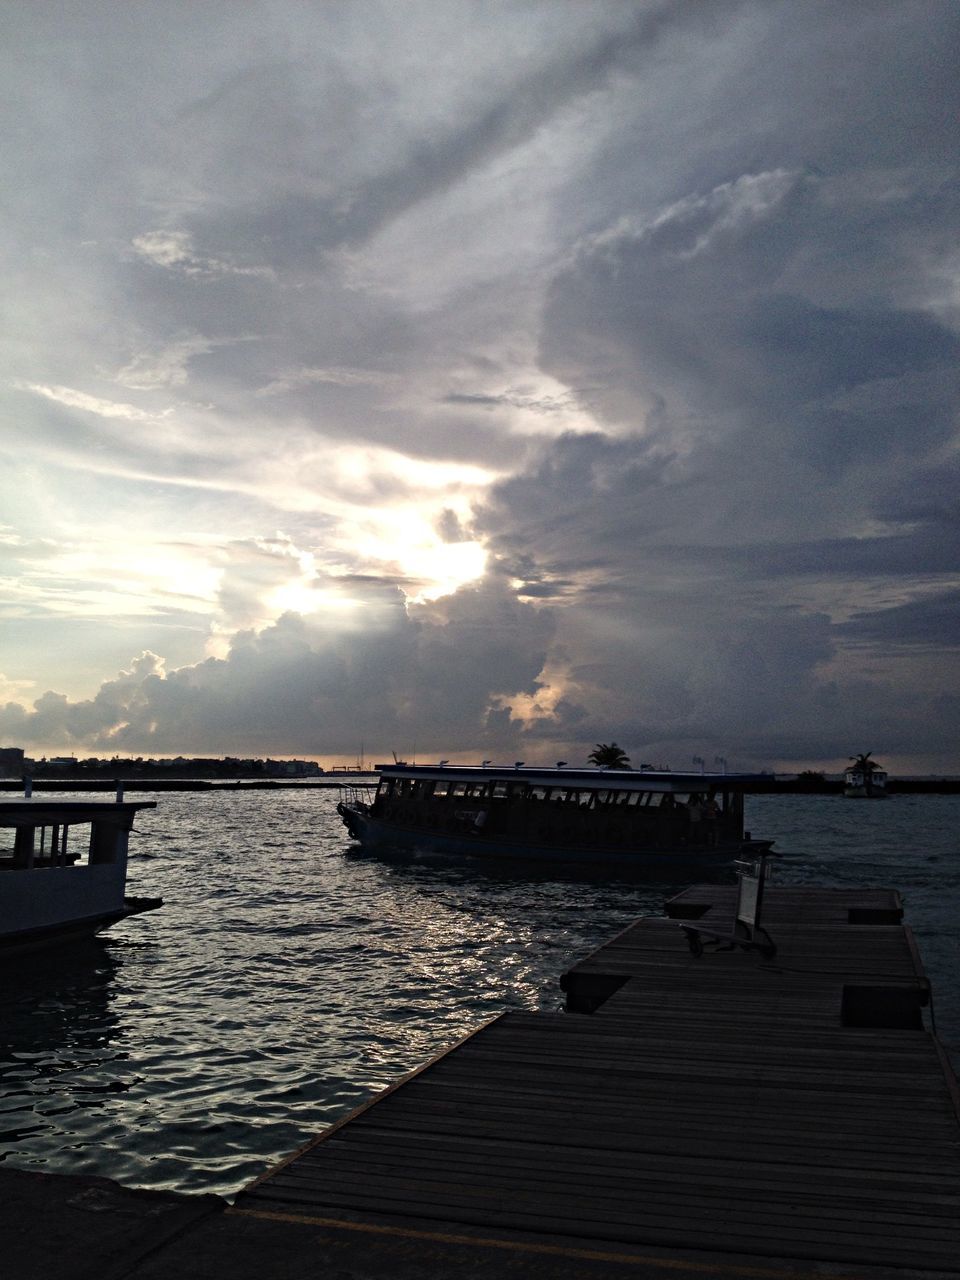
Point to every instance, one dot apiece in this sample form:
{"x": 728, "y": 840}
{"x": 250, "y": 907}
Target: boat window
{"x": 477, "y": 790}
{"x": 8, "y": 843}
{"x": 619, "y": 797}
{"x": 560, "y": 794}
{"x": 458, "y": 788}
{"x": 500, "y": 790}
{"x": 386, "y": 787}
{"x": 634, "y": 798}
{"x": 440, "y": 790}
{"x": 573, "y": 797}
{"x": 28, "y": 846}
{"x": 584, "y": 799}
{"x": 538, "y": 793}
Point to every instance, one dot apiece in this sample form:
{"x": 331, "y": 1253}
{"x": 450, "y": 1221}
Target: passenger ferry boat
{"x": 865, "y": 782}
{"x": 63, "y": 870}
{"x": 581, "y": 815}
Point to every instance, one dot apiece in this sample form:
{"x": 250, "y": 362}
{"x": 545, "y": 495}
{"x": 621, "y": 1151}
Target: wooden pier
{"x": 727, "y": 1114}
{"x": 789, "y": 1117}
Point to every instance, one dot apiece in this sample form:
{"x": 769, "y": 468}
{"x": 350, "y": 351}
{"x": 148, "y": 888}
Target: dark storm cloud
{"x": 781, "y": 396}
{"x": 932, "y": 621}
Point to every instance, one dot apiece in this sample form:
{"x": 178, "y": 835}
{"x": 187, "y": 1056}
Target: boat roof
{"x": 39, "y": 811}
{"x": 552, "y": 776}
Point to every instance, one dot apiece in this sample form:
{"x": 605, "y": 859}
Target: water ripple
{"x": 289, "y": 976}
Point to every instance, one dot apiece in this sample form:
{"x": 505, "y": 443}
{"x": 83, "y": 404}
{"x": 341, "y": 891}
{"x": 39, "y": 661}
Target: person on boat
{"x": 711, "y": 815}
{"x": 695, "y": 818}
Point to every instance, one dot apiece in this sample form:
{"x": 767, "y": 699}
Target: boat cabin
{"x": 62, "y": 862}
{"x": 865, "y": 782}
{"x": 611, "y": 808}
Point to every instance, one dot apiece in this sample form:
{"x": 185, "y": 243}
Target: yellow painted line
{"x": 522, "y": 1246}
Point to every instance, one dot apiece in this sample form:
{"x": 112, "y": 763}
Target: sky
{"x": 482, "y": 379}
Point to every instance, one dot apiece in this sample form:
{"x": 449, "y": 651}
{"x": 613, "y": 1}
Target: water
{"x": 287, "y": 977}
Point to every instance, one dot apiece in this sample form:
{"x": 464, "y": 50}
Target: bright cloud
{"x": 174, "y": 250}
{"x": 73, "y": 399}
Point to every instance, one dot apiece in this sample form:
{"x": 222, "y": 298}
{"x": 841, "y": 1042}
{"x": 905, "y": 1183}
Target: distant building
{"x": 11, "y": 762}
{"x": 293, "y": 768}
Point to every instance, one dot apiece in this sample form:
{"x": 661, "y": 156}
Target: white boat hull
{"x": 63, "y": 870}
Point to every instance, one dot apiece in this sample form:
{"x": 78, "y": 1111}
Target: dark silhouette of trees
{"x": 607, "y": 755}
{"x": 865, "y": 764}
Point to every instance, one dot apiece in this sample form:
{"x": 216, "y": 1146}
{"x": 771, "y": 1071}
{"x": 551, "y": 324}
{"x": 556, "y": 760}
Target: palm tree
{"x": 867, "y": 767}
{"x": 607, "y": 755}
{"x": 865, "y": 764}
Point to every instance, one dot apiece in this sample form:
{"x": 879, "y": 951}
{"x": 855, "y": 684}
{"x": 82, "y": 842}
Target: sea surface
{"x": 289, "y": 976}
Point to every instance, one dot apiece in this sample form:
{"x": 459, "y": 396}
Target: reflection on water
{"x": 665, "y": 875}
{"x": 58, "y": 1043}
{"x": 288, "y": 975}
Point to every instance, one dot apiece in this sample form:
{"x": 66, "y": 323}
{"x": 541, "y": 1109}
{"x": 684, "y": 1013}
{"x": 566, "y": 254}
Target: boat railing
{"x": 355, "y": 793}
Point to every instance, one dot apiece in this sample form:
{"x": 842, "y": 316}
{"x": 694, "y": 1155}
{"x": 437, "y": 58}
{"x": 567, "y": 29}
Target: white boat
{"x": 865, "y": 779}
{"x": 63, "y": 870}
{"x": 637, "y": 816}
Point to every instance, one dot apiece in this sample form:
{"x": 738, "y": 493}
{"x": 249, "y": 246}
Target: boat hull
{"x": 375, "y": 834}
{"x": 64, "y": 932}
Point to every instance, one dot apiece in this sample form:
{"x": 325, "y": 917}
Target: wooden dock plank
{"x": 715, "y": 1104}
{"x": 680, "y": 1230}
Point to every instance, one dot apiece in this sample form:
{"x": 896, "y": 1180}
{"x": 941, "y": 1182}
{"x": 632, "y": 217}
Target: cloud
{"x": 256, "y": 570}
{"x": 442, "y": 149}
{"x": 449, "y": 527}
{"x": 513, "y": 399}
{"x": 174, "y": 251}
{"x": 932, "y": 622}
{"x": 166, "y": 367}
{"x": 14, "y": 548}
{"x": 641, "y": 318}
{"x": 73, "y": 399}
{"x": 293, "y": 379}
{"x": 769, "y": 434}
{"x": 371, "y": 668}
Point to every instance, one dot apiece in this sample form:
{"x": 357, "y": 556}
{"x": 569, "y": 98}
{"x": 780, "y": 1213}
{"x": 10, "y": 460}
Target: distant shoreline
{"x": 184, "y": 784}
{"x": 775, "y": 786}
